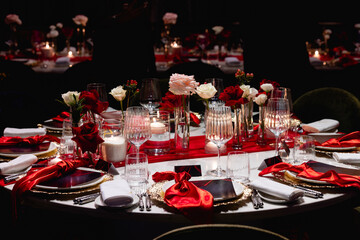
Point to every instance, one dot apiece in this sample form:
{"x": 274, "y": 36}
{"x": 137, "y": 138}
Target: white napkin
{"x": 324, "y": 125}
{"x": 17, "y": 164}
{"x": 116, "y": 193}
{"x": 23, "y": 132}
{"x": 63, "y": 61}
{"x": 276, "y": 189}
{"x": 232, "y": 61}
{"x": 347, "y": 157}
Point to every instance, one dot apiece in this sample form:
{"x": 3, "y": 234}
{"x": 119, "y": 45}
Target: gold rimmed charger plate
{"x": 157, "y": 193}
{"x": 289, "y": 179}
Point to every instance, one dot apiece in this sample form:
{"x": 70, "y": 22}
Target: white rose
{"x": 261, "y": 99}
{"x": 59, "y": 25}
{"x": 80, "y": 20}
{"x": 53, "y": 34}
{"x": 181, "y": 84}
{"x": 252, "y": 94}
{"x": 170, "y": 18}
{"x": 267, "y": 87}
{"x": 71, "y": 98}
{"x": 13, "y": 18}
{"x": 217, "y": 29}
{"x": 118, "y": 93}
{"x": 206, "y": 90}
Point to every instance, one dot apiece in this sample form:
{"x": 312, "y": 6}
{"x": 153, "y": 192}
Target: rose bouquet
{"x": 206, "y": 91}
{"x": 128, "y": 92}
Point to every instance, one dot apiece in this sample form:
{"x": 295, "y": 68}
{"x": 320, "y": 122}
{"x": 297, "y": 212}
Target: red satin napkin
{"x": 305, "y": 171}
{"x": 33, "y": 140}
{"x": 61, "y": 117}
{"x": 195, "y": 203}
{"x": 349, "y": 140}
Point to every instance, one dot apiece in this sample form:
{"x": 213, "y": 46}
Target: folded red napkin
{"x": 61, "y": 117}
{"x": 33, "y": 140}
{"x": 349, "y": 140}
{"x": 195, "y": 203}
{"x": 305, "y": 171}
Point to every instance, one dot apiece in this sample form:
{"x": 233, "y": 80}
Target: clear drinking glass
{"x": 136, "y": 170}
{"x": 101, "y": 89}
{"x": 238, "y": 166}
{"x": 304, "y": 149}
{"x": 277, "y": 118}
{"x": 66, "y": 143}
{"x": 219, "y": 130}
{"x": 150, "y": 94}
{"x": 137, "y": 126}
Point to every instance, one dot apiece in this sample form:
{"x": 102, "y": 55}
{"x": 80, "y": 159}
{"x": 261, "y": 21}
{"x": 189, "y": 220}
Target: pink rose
{"x": 170, "y": 18}
{"x": 80, "y": 20}
{"x": 181, "y": 84}
{"x": 13, "y": 18}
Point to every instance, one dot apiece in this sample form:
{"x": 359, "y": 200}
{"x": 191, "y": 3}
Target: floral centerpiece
{"x": 184, "y": 86}
{"x": 240, "y": 98}
{"x": 169, "y": 19}
{"x": 128, "y": 92}
{"x": 81, "y": 21}
{"x": 73, "y": 101}
{"x": 266, "y": 87}
{"x": 13, "y": 21}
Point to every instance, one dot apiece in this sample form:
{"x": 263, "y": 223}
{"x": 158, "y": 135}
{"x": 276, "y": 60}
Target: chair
{"x": 329, "y": 102}
{"x": 20, "y": 96}
{"x": 219, "y": 231}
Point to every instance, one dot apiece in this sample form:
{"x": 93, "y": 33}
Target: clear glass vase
{"x": 240, "y": 127}
{"x": 261, "y": 134}
{"x": 182, "y": 125}
{"x": 248, "y": 108}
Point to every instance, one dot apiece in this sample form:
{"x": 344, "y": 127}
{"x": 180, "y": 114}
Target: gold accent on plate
{"x": 290, "y": 180}
{"x": 156, "y": 193}
{"x": 54, "y": 193}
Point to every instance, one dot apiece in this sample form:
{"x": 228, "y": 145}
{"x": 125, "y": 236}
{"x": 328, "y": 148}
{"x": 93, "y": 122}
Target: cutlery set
{"x": 144, "y": 203}
{"x": 256, "y": 199}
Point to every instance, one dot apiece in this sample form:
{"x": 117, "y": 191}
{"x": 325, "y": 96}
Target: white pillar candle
{"x": 157, "y": 128}
{"x": 114, "y": 149}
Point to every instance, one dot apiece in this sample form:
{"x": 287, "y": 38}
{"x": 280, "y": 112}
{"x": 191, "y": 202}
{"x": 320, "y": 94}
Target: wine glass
{"x": 150, "y": 94}
{"x": 137, "y": 126}
{"x": 219, "y": 130}
{"x": 277, "y": 118}
{"x": 101, "y": 89}
{"x": 283, "y": 92}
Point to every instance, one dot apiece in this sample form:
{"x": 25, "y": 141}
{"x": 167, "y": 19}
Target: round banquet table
{"x": 161, "y": 218}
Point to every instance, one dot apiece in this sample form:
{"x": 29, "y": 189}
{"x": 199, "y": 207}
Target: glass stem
{"x": 277, "y": 145}
{"x": 218, "y": 168}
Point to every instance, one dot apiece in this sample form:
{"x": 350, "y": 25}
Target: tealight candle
{"x": 70, "y": 54}
{"x": 114, "y": 149}
{"x": 47, "y": 51}
{"x": 157, "y": 128}
{"x": 176, "y": 49}
{"x": 317, "y": 54}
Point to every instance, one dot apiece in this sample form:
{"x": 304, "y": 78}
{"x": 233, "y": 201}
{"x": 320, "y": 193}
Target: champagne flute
{"x": 277, "y": 118}
{"x": 150, "y": 94}
{"x": 137, "y": 126}
{"x": 219, "y": 130}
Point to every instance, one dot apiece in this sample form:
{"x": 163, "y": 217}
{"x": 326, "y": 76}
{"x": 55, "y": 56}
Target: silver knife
{"x": 141, "y": 202}
{"x": 254, "y": 200}
{"x": 258, "y": 198}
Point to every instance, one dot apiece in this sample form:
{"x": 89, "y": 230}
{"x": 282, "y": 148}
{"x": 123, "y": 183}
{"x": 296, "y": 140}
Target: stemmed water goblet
{"x": 137, "y": 126}
{"x": 277, "y": 118}
{"x": 219, "y": 130}
{"x": 150, "y": 94}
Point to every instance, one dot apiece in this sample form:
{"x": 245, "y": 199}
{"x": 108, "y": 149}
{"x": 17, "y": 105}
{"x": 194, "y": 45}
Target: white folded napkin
{"x": 276, "y": 189}
{"x": 23, "y": 132}
{"x": 324, "y": 125}
{"x": 232, "y": 61}
{"x": 116, "y": 193}
{"x": 17, "y": 164}
{"x": 63, "y": 61}
{"x": 347, "y": 157}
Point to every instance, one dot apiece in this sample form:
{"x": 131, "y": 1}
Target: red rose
{"x": 92, "y": 103}
{"x": 87, "y": 137}
{"x": 170, "y": 101}
{"x": 232, "y": 96}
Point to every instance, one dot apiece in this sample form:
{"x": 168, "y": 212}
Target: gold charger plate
{"x": 156, "y": 193}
